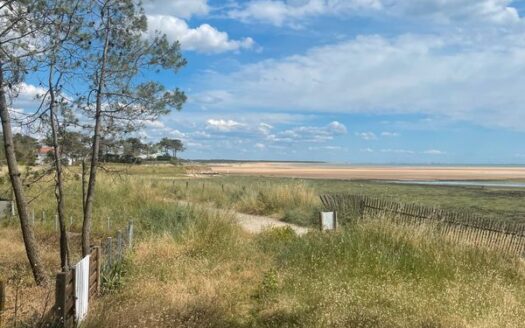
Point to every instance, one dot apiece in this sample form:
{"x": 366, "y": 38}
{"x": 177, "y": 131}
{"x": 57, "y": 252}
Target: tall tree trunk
{"x": 59, "y": 180}
{"x": 21, "y": 204}
{"x": 95, "y": 147}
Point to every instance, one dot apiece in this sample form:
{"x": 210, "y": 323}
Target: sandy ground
{"x": 318, "y": 171}
{"x": 253, "y": 223}
{"x": 257, "y": 224}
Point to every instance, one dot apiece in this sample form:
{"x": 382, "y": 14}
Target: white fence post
{"x": 130, "y": 234}
{"x": 81, "y": 272}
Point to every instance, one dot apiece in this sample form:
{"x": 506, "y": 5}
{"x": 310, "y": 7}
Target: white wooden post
{"x": 130, "y": 234}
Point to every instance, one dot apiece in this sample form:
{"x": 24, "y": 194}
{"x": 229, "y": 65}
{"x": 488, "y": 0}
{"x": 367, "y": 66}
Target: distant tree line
{"x": 134, "y": 151}
{"x": 75, "y": 147}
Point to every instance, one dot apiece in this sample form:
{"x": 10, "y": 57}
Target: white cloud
{"x": 26, "y": 97}
{"x": 397, "y": 151}
{"x": 366, "y": 135}
{"x": 367, "y": 150}
{"x": 444, "y": 11}
{"x": 178, "y": 134}
{"x": 309, "y": 134}
{"x": 452, "y": 77}
{"x": 280, "y": 12}
{"x": 213, "y": 97}
{"x": 224, "y": 125}
{"x": 337, "y": 127}
{"x": 260, "y": 146}
{"x": 389, "y": 134}
{"x": 325, "y": 148}
{"x": 154, "y": 124}
{"x": 434, "y": 152}
{"x": 178, "y": 8}
{"x": 265, "y": 128}
{"x": 204, "y": 38}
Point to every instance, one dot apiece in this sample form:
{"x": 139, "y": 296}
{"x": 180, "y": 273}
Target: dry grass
{"x": 26, "y": 303}
{"x": 375, "y": 274}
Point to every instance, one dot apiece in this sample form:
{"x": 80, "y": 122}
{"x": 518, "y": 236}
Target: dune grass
{"x": 196, "y": 268}
{"x": 499, "y": 203}
{"x": 202, "y": 271}
{"x": 291, "y": 201}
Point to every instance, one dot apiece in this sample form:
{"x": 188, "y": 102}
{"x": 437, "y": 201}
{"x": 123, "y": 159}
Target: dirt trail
{"x": 254, "y": 223}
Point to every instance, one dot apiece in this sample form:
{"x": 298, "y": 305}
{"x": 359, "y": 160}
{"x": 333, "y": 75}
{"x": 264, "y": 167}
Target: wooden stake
{"x": 130, "y": 234}
{"x": 2, "y": 301}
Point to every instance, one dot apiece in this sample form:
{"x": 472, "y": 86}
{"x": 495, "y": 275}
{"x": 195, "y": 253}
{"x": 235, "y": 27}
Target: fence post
{"x": 2, "y": 301}
{"x": 110, "y": 251}
{"x": 119, "y": 245}
{"x": 13, "y": 212}
{"x": 98, "y": 263}
{"x": 130, "y": 234}
{"x": 61, "y": 297}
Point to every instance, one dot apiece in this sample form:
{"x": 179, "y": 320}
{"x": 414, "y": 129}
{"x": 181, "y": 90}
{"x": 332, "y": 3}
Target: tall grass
{"x": 294, "y": 202}
{"x": 373, "y": 274}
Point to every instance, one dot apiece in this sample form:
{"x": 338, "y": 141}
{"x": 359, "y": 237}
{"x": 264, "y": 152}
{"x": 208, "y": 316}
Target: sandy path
{"x": 253, "y": 223}
{"x": 257, "y": 224}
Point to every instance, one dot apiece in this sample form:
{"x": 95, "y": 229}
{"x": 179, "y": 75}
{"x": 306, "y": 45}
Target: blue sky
{"x": 350, "y": 81}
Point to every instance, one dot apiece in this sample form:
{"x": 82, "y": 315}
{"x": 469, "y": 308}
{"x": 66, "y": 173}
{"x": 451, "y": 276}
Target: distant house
{"x": 44, "y": 153}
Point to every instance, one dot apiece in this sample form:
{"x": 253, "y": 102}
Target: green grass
{"x": 260, "y": 195}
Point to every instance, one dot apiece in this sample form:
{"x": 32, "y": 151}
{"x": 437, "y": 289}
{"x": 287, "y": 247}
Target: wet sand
{"x": 318, "y": 171}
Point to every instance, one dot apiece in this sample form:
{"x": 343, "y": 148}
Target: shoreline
{"x": 384, "y": 172}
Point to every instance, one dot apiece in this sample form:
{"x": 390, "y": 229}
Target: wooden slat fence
{"x": 65, "y": 296}
{"x": 457, "y": 226}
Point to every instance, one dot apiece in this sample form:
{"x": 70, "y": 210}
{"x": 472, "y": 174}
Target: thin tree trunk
{"x": 83, "y": 184}
{"x": 90, "y": 194}
{"x": 59, "y": 180}
{"x": 27, "y": 232}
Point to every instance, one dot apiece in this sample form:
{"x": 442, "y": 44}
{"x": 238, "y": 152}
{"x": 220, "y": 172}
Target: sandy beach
{"x": 319, "y": 171}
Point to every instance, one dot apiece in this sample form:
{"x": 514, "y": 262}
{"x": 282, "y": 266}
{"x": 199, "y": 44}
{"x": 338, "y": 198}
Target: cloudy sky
{"x": 357, "y": 81}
